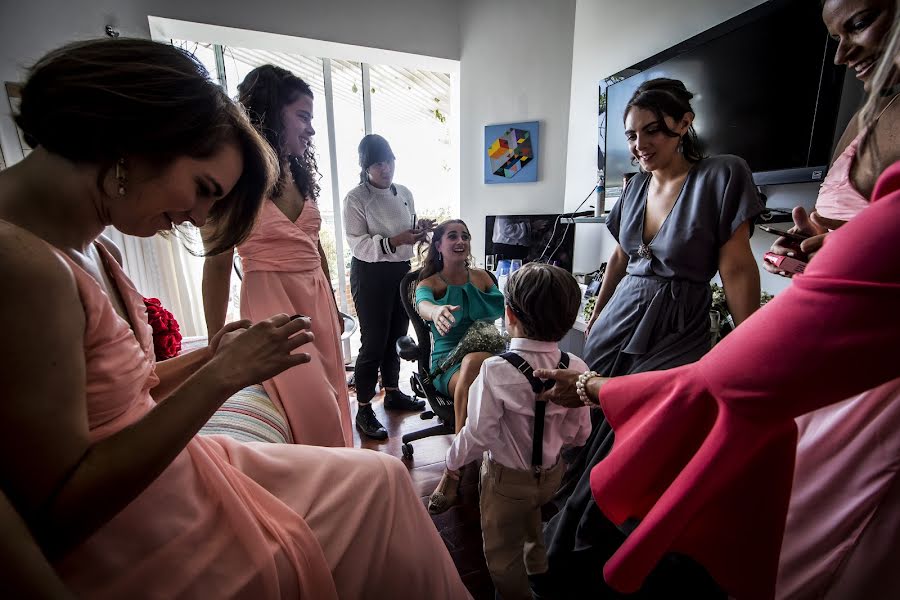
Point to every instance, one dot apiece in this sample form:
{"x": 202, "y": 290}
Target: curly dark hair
{"x": 98, "y": 101}
{"x": 430, "y": 258}
{"x": 663, "y": 96}
{"x": 264, "y": 92}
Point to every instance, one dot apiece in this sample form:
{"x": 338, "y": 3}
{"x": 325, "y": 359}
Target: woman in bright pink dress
{"x": 846, "y": 487}
{"x": 99, "y": 452}
{"x": 284, "y": 265}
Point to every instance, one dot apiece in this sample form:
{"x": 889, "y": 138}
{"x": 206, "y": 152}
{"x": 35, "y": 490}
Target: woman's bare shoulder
{"x": 482, "y": 279}
{"x": 437, "y": 286}
{"x": 23, "y": 253}
{"x": 36, "y": 279}
{"x": 430, "y": 282}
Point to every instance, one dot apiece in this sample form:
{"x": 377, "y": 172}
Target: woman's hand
{"x": 813, "y": 244}
{"x": 264, "y": 350}
{"x": 443, "y": 318}
{"x": 815, "y": 226}
{"x": 563, "y": 392}
{"x": 408, "y": 237}
{"x": 589, "y": 326}
{"x": 227, "y": 334}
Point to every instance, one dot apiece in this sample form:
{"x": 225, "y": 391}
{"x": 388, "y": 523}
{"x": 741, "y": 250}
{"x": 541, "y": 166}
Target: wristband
{"x": 580, "y": 385}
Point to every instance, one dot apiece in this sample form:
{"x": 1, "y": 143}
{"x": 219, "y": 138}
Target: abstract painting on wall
{"x": 511, "y": 152}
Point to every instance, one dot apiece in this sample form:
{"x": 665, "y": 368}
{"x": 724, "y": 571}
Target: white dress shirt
{"x": 372, "y": 216}
{"x": 501, "y": 412}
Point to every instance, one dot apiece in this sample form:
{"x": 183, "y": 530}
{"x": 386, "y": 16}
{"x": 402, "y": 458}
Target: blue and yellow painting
{"x": 511, "y": 152}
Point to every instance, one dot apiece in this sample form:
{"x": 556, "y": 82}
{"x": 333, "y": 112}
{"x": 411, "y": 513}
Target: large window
{"x": 410, "y": 107}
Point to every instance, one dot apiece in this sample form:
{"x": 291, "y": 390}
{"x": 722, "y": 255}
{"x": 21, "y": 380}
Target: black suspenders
{"x": 540, "y": 406}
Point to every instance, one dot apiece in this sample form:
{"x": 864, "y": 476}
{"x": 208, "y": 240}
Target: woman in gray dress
{"x": 681, "y": 219}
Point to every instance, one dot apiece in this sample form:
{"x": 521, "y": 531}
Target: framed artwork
{"x": 511, "y": 152}
{"x": 14, "y": 95}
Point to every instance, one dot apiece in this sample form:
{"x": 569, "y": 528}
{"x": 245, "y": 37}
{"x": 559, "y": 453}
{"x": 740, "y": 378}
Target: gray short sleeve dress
{"x": 658, "y": 317}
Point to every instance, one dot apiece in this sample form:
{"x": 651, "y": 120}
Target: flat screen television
{"x": 765, "y": 88}
{"x": 529, "y": 238}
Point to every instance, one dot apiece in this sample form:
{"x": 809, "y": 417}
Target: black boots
{"x": 397, "y": 400}
{"x": 368, "y": 423}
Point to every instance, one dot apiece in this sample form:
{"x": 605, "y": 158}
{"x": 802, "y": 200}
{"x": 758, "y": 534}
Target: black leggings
{"x": 376, "y": 294}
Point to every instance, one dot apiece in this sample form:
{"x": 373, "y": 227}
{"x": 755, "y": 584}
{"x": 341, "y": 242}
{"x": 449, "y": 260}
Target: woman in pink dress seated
{"x": 100, "y": 454}
{"x": 847, "y": 476}
{"x": 285, "y": 268}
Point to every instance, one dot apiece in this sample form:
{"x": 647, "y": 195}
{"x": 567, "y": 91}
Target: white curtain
{"x": 161, "y": 267}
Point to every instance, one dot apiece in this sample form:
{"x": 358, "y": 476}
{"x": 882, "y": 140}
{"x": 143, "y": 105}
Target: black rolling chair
{"x": 419, "y": 351}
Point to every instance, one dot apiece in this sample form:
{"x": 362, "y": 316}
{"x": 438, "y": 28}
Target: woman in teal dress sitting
{"x": 452, "y": 296}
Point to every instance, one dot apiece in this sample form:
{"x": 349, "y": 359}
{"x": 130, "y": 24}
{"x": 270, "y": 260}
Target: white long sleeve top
{"x": 501, "y": 412}
{"x": 373, "y": 215}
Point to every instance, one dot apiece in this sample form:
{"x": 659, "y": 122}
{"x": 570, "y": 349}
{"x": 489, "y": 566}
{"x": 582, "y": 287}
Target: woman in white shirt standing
{"x": 380, "y": 223}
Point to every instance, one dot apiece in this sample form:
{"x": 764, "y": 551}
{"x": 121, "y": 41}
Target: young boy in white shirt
{"x": 522, "y": 469}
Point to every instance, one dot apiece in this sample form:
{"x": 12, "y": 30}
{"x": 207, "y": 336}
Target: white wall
{"x": 611, "y": 35}
{"x": 515, "y": 65}
{"x": 29, "y": 28}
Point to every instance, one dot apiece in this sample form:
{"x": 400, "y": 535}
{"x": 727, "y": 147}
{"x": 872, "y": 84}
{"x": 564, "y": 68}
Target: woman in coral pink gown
{"x": 284, "y": 266}
{"x": 99, "y": 455}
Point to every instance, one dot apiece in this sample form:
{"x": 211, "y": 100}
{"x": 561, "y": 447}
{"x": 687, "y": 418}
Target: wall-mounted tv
{"x": 765, "y": 88}
{"x": 529, "y": 238}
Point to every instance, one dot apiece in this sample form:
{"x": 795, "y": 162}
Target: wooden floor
{"x": 459, "y": 526}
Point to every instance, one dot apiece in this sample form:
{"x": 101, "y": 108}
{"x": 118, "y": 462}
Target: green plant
{"x": 720, "y": 307}
{"x": 589, "y": 308}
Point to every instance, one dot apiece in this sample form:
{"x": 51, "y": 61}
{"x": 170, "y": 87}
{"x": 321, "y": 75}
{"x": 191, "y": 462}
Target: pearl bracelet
{"x": 579, "y": 387}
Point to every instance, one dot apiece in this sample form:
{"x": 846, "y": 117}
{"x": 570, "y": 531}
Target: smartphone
{"x": 797, "y": 237}
{"x": 414, "y": 221}
{"x": 785, "y": 263}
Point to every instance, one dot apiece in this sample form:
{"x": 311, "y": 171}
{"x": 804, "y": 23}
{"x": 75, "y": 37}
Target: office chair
{"x": 419, "y": 351}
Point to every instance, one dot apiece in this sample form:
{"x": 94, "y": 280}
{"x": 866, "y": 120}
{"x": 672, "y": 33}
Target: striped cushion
{"x": 249, "y": 416}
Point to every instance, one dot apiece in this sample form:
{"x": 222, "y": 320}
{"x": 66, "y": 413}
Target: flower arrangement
{"x": 166, "y": 332}
{"x": 588, "y": 311}
{"x": 719, "y": 308}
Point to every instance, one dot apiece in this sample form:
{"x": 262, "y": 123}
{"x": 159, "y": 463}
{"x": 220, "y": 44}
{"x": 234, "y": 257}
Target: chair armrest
{"x": 407, "y": 348}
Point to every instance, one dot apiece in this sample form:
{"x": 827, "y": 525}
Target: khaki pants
{"x": 511, "y": 502}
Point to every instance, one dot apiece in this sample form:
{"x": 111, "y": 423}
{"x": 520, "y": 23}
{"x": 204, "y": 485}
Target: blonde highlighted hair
{"x": 886, "y": 77}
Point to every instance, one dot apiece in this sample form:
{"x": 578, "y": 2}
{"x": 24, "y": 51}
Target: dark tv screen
{"x": 765, "y": 88}
{"x": 530, "y": 237}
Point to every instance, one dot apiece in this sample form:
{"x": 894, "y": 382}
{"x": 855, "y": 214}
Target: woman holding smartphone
{"x": 846, "y": 482}
{"x": 381, "y": 227}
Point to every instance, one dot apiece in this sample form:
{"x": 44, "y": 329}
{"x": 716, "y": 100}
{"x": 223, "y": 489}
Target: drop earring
{"x": 121, "y": 179}
{"x": 681, "y": 145}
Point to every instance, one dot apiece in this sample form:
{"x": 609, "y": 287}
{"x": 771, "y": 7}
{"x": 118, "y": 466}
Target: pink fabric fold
{"x": 232, "y": 520}
{"x": 283, "y": 274}
{"x": 837, "y": 198}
